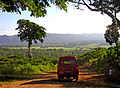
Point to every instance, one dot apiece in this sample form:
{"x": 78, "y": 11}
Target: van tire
{"x": 76, "y": 78}
{"x": 59, "y": 78}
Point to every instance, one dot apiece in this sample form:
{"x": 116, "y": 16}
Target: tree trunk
{"x": 29, "y": 48}
{"x": 117, "y": 50}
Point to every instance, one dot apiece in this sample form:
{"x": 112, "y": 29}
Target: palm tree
{"x": 29, "y": 31}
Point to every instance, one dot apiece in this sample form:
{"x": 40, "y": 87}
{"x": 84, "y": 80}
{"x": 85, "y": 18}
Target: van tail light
{"x": 77, "y": 67}
{"x": 58, "y": 68}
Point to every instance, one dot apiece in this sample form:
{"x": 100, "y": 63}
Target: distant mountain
{"x": 58, "y": 40}
{"x": 9, "y": 39}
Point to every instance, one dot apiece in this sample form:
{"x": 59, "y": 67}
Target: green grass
{"x": 90, "y": 46}
{"x": 64, "y": 48}
{"x": 43, "y": 48}
{"x": 17, "y": 47}
{"x": 105, "y": 46}
{"x": 23, "y": 47}
{"x": 57, "y": 48}
{"x": 85, "y": 49}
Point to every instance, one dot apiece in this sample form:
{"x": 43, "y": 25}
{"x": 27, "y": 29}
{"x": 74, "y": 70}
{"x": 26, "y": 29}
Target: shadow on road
{"x": 70, "y": 83}
{"x": 50, "y": 81}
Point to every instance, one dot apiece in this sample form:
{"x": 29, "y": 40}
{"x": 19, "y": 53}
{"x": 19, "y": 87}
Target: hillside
{"x": 64, "y": 40}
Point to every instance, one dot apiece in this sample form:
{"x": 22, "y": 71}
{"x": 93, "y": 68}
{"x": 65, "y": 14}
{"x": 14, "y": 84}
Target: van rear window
{"x": 67, "y": 61}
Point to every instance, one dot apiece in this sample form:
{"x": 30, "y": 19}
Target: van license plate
{"x": 67, "y": 71}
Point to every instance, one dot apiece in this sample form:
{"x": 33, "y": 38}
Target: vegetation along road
{"x": 87, "y": 79}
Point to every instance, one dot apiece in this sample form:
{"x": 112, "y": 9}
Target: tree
{"x": 112, "y": 35}
{"x": 110, "y": 8}
{"x": 29, "y": 31}
{"x": 36, "y": 7}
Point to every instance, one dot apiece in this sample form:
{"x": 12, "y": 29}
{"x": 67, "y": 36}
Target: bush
{"x": 7, "y": 70}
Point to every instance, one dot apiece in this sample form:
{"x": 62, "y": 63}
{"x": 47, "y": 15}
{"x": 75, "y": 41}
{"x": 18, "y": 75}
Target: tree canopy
{"x": 36, "y": 7}
{"x": 30, "y": 31}
{"x": 111, "y": 35}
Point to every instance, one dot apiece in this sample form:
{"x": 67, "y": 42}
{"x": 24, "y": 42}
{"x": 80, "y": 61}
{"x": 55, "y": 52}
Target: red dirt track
{"x": 87, "y": 79}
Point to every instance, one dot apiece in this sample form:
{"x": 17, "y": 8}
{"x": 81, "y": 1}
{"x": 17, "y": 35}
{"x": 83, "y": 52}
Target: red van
{"x": 67, "y": 67}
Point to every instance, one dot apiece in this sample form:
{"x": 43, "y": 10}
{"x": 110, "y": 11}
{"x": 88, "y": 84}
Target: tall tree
{"x": 36, "y": 7}
{"x": 29, "y": 31}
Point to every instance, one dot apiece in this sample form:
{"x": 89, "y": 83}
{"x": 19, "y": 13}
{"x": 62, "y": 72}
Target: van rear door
{"x": 68, "y": 65}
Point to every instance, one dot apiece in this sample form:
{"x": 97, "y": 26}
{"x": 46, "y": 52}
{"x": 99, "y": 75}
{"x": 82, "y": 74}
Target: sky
{"x": 73, "y": 21}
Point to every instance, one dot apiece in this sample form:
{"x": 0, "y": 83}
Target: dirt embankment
{"x": 87, "y": 79}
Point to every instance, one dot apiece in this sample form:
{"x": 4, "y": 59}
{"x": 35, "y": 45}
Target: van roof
{"x": 68, "y": 57}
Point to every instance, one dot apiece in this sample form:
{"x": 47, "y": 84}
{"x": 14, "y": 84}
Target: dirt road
{"x": 87, "y": 79}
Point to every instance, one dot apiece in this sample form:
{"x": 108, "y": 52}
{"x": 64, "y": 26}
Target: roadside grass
{"x": 11, "y": 79}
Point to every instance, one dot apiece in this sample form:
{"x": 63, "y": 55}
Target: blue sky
{"x": 58, "y": 21}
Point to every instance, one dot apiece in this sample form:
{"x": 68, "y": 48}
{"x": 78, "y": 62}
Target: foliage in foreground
{"x": 20, "y": 65}
{"x": 15, "y": 63}
{"x": 36, "y": 7}
{"x": 100, "y": 58}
